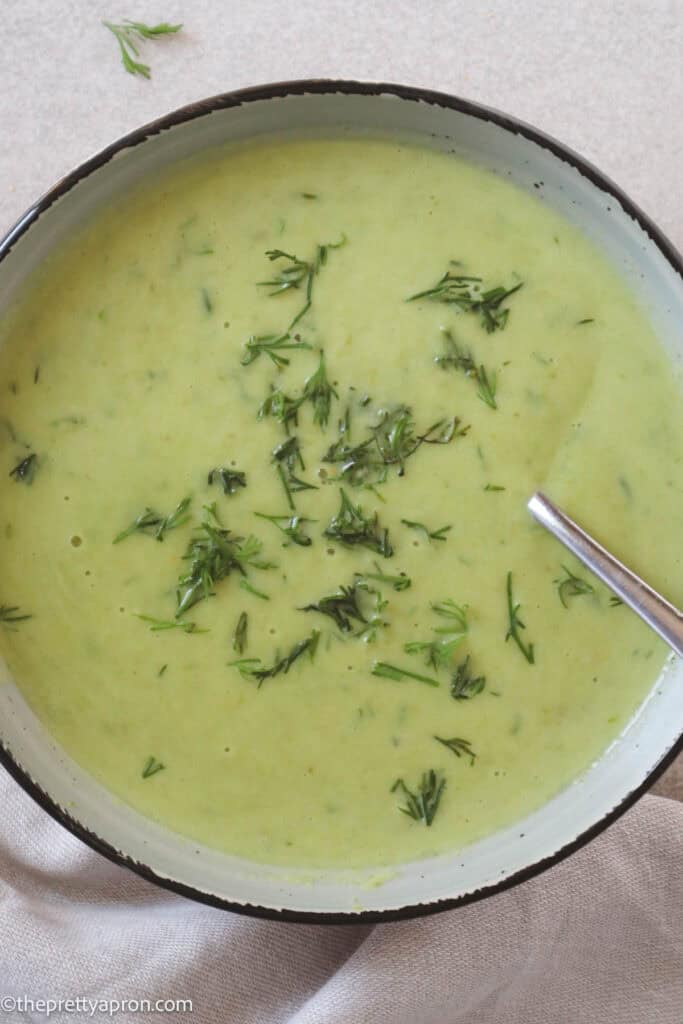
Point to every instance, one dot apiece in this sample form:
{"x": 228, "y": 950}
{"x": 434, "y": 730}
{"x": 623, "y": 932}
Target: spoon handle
{"x": 662, "y": 616}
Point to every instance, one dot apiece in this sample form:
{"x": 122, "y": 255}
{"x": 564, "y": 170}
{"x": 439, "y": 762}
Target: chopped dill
{"x": 229, "y": 479}
{"x": 25, "y": 470}
{"x": 129, "y": 34}
{"x": 246, "y": 585}
{"x": 386, "y": 671}
{"x": 10, "y": 614}
{"x": 152, "y": 766}
{"x": 465, "y": 292}
{"x": 439, "y": 534}
{"x": 464, "y": 684}
{"x": 342, "y": 608}
{"x": 461, "y": 748}
{"x": 351, "y": 527}
{"x": 516, "y": 625}
{"x": 159, "y": 625}
{"x": 569, "y": 586}
{"x": 154, "y": 523}
{"x": 252, "y": 668}
{"x": 458, "y": 358}
{"x": 292, "y": 527}
{"x": 272, "y": 345}
{"x": 422, "y": 805}
{"x": 239, "y": 637}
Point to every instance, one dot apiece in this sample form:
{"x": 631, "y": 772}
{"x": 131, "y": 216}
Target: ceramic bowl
{"x": 581, "y": 194}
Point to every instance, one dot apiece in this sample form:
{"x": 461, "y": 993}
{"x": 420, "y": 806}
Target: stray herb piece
{"x": 10, "y": 614}
{"x": 439, "y": 534}
{"x": 466, "y": 293}
{"x": 239, "y": 638}
{"x": 288, "y": 460}
{"x": 440, "y": 650}
{"x": 162, "y": 670}
{"x": 229, "y": 479}
{"x": 569, "y": 586}
{"x": 272, "y": 345}
{"x": 422, "y": 805}
{"x": 386, "y": 671}
{"x": 464, "y": 684}
{"x": 369, "y": 632}
{"x": 319, "y": 391}
{"x": 516, "y": 625}
{"x": 213, "y": 553}
{"x": 152, "y": 766}
{"x": 246, "y": 585}
{"x": 309, "y": 195}
{"x": 586, "y": 320}
{"x": 282, "y": 408}
{"x": 352, "y": 527}
{"x": 493, "y": 487}
{"x": 614, "y": 601}
{"x": 458, "y": 358}
{"x": 399, "y": 582}
{"x": 251, "y": 668}
{"x": 158, "y": 625}
{"x": 298, "y": 274}
{"x": 341, "y": 607}
{"x": 293, "y": 528}
{"x": 156, "y": 524}
{"x": 25, "y": 470}
{"x": 392, "y": 440}
{"x": 461, "y": 748}
{"x": 206, "y": 301}
{"x": 130, "y": 33}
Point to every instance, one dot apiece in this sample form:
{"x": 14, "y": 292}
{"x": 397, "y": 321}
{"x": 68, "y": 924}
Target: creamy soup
{"x": 268, "y": 429}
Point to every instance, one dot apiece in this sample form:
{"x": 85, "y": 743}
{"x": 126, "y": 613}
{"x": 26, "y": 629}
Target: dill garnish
{"x": 297, "y": 274}
{"x": 341, "y": 607}
{"x": 246, "y": 585}
{"x": 439, "y": 534}
{"x": 251, "y": 668}
{"x": 229, "y": 479}
{"x": 281, "y": 407}
{"x": 10, "y": 614}
{"x": 288, "y": 459}
{"x": 465, "y": 292}
{"x": 422, "y": 805}
{"x": 25, "y": 470}
{"x": 516, "y": 625}
{"x": 440, "y": 650}
{"x": 239, "y": 638}
{"x": 464, "y": 684}
{"x": 158, "y": 625}
{"x": 493, "y": 487}
{"x": 213, "y": 553}
{"x": 272, "y": 345}
{"x": 615, "y": 602}
{"x": 386, "y": 671}
{"x": 292, "y": 528}
{"x": 461, "y": 748}
{"x": 130, "y": 33}
{"x": 350, "y": 526}
{"x": 153, "y": 523}
{"x": 570, "y": 586}
{"x": 458, "y": 358}
{"x": 319, "y": 391}
{"x": 399, "y": 582}
{"x": 152, "y": 766}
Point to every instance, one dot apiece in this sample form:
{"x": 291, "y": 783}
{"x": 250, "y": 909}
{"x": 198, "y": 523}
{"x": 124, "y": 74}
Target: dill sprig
{"x": 398, "y": 582}
{"x": 440, "y": 650}
{"x": 615, "y": 602}
{"x": 319, "y": 391}
{"x": 516, "y": 625}
{"x": 281, "y": 407}
{"x": 464, "y": 684}
{"x": 130, "y": 33}
{"x": 252, "y": 668}
{"x": 297, "y": 274}
{"x": 387, "y": 671}
{"x": 229, "y": 479}
{"x": 460, "y": 747}
{"x": 10, "y": 614}
{"x": 159, "y": 625}
{"x": 288, "y": 460}
{"x": 465, "y": 292}
{"x": 351, "y": 527}
{"x": 292, "y": 527}
{"x": 457, "y": 358}
{"x": 391, "y": 441}
{"x": 272, "y": 345}
{"x": 569, "y": 586}
{"x": 152, "y": 766}
{"x": 439, "y": 534}
{"x": 213, "y": 553}
{"x": 343, "y": 607}
{"x": 423, "y": 804}
{"x": 155, "y": 524}
{"x": 25, "y": 469}
{"x": 239, "y": 637}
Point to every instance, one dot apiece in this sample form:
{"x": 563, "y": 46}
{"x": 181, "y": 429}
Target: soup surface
{"x": 266, "y": 509}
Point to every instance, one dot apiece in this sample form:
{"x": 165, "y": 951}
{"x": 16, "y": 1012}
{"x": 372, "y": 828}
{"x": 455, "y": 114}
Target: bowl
{"x": 650, "y": 741}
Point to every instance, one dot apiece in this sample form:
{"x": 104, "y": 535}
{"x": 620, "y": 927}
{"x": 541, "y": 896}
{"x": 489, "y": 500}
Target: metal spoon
{"x": 659, "y": 614}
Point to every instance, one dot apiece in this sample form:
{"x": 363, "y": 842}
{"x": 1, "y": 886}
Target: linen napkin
{"x": 598, "y": 939}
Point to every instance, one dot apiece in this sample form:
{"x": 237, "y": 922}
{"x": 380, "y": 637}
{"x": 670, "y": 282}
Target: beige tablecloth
{"x": 598, "y": 939}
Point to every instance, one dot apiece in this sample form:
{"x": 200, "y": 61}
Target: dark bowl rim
{"x": 280, "y": 90}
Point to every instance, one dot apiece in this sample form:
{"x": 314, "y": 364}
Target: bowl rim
{"x": 281, "y": 90}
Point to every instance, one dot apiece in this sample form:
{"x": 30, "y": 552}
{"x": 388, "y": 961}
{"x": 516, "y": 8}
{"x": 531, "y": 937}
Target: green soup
{"x": 328, "y": 632}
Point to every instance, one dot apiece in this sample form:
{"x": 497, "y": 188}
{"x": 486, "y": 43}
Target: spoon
{"x": 659, "y": 614}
